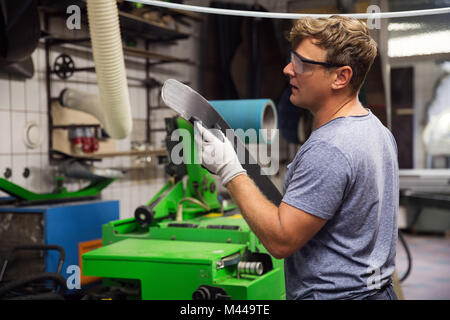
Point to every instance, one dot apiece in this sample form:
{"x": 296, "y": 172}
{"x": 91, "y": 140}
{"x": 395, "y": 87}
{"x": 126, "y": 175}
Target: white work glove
{"x": 217, "y": 156}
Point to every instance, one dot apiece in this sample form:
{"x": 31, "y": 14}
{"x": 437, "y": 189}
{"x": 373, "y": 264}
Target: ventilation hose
{"x": 112, "y": 108}
{"x": 179, "y": 216}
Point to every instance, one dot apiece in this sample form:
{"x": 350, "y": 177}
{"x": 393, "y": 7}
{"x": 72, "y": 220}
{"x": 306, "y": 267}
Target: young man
{"x": 337, "y": 224}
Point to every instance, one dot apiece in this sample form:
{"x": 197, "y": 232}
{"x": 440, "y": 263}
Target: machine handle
{"x": 62, "y": 255}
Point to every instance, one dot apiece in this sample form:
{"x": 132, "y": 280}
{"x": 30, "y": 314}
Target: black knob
{"x": 8, "y": 173}
{"x": 202, "y": 293}
{"x": 144, "y": 216}
{"x": 26, "y": 173}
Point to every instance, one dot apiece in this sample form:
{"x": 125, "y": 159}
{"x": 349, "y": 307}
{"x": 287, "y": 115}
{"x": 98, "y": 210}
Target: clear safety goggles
{"x": 303, "y": 65}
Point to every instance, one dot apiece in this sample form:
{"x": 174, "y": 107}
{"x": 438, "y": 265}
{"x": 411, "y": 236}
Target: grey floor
{"x": 429, "y": 278}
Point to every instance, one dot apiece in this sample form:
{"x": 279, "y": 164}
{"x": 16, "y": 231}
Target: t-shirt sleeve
{"x": 319, "y": 182}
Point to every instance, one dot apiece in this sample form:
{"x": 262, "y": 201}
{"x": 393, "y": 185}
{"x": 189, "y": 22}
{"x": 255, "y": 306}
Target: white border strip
{"x": 278, "y": 15}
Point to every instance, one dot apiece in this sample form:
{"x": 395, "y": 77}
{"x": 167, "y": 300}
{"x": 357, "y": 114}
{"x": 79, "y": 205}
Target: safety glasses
{"x": 303, "y": 65}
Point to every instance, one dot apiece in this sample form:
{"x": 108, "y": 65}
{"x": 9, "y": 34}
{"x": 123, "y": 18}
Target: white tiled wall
{"x": 4, "y": 89}
{"x": 5, "y": 125}
{"x": 24, "y": 100}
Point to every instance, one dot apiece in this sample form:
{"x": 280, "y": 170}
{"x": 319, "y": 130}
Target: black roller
{"x": 205, "y": 292}
{"x": 202, "y": 293}
{"x": 144, "y": 215}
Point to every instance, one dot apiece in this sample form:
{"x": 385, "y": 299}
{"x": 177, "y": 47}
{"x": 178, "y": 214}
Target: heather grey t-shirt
{"x": 347, "y": 173}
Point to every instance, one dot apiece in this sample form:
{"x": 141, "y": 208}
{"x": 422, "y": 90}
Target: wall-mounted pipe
{"x": 112, "y": 107}
{"x": 86, "y": 102}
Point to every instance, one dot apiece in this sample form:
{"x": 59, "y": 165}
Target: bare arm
{"x": 282, "y": 230}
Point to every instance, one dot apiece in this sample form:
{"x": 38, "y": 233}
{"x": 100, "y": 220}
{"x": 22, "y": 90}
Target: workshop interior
{"x": 94, "y": 202}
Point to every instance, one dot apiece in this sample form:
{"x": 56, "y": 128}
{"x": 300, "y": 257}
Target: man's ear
{"x": 343, "y": 76}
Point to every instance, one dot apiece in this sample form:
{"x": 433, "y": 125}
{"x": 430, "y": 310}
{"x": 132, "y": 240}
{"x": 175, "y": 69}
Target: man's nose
{"x": 289, "y": 70}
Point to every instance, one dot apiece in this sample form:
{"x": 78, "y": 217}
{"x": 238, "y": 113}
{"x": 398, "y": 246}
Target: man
{"x": 337, "y": 224}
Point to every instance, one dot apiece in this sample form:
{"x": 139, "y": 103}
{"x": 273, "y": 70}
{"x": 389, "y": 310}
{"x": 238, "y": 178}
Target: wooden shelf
{"x": 139, "y": 153}
{"x": 129, "y": 23}
{"x": 131, "y": 51}
{"x": 153, "y": 55}
{"x": 57, "y": 154}
{"x": 148, "y": 29}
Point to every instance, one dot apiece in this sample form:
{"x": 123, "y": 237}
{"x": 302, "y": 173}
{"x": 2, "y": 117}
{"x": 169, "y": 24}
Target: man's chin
{"x": 298, "y": 103}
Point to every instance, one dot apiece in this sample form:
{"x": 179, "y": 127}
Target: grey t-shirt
{"x": 347, "y": 173}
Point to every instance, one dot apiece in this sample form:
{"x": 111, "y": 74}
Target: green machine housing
{"x": 185, "y": 243}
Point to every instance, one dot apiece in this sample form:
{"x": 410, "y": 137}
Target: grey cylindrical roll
{"x": 258, "y": 114}
{"x": 255, "y": 268}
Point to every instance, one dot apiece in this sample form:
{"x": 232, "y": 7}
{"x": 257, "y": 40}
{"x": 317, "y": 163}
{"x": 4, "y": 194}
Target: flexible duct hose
{"x": 179, "y": 216}
{"x": 115, "y": 112}
{"x": 86, "y": 102}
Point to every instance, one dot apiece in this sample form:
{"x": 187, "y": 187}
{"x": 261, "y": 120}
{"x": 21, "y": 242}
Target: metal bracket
{"x": 228, "y": 261}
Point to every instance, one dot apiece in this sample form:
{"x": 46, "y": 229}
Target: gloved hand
{"x": 217, "y": 156}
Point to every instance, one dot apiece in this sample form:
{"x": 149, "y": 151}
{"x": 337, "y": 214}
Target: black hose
{"x": 55, "y": 277}
{"x": 408, "y": 255}
{"x": 44, "y": 247}
{"x": 40, "y": 297}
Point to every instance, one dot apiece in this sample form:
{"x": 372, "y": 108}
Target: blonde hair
{"x": 346, "y": 40}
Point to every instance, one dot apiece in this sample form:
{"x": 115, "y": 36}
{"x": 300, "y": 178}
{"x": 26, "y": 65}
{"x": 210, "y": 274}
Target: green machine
{"x": 24, "y": 196}
{"x": 185, "y": 243}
